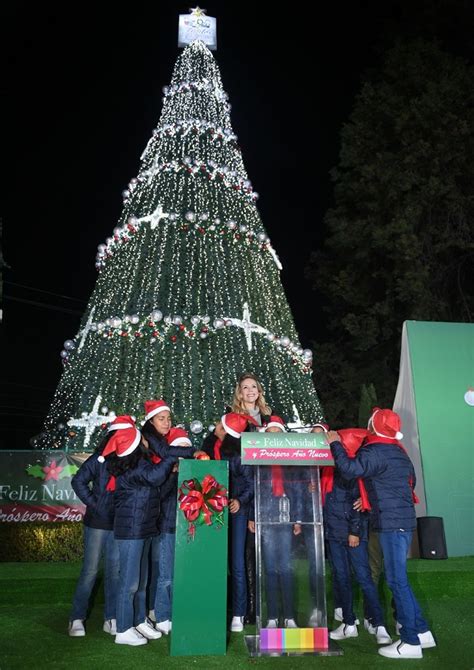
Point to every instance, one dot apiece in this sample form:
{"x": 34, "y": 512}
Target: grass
{"x": 35, "y": 600}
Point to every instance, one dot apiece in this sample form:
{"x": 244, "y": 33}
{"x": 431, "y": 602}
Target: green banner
{"x": 286, "y": 449}
{"x": 36, "y": 486}
{"x": 200, "y": 566}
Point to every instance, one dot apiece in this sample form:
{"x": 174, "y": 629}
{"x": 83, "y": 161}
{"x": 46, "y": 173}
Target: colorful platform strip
{"x": 293, "y": 638}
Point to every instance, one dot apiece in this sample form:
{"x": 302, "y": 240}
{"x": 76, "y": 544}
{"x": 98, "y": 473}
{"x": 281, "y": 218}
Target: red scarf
{"x": 217, "y": 449}
{"x": 277, "y": 481}
{"x": 376, "y": 439}
{"x": 111, "y": 484}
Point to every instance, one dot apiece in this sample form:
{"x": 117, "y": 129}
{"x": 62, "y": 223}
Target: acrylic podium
{"x": 290, "y": 574}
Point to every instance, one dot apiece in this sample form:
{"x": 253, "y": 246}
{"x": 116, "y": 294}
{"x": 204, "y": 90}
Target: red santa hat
{"x": 125, "y": 439}
{"x": 324, "y": 426}
{"x": 235, "y": 424}
{"x": 385, "y": 423}
{"x": 276, "y": 422}
{"x": 177, "y": 437}
{"x": 153, "y": 407}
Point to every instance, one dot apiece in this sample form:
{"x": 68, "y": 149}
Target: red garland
{"x": 202, "y": 502}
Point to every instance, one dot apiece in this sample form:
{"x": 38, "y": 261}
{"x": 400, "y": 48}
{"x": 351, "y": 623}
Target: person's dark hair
{"x": 105, "y": 438}
{"x": 230, "y": 446}
{"x": 149, "y": 429}
{"x": 117, "y": 465}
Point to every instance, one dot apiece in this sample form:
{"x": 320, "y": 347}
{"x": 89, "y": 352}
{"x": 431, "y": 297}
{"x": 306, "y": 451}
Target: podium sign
{"x": 286, "y": 449}
{"x": 200, "y": 566}
{"x": 291, "y": 594}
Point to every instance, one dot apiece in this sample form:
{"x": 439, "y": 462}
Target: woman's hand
{"x": 234, "y": 505}
{"x": 333, "y": 436}
{"x": 251, "y": 526}
{"x": 175, "y": 467}
{"x": 296, "y": 528}
{"x": 353, "y": 541}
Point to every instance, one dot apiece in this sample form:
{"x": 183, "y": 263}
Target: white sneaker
{"x": 401, "y": 650}
{"x": 368, "y": 627}
{"x": 151, "y": 616}
{"x": 272, "y": 623}
{"x": 237, "y": 624}
{"x": 290, "y": 623}
{"x": 382, "y": 636}
{"x": 398, "y": 627}
{"x": 315, "y": 619}
{"x": 338, "y": 614}
{"x": 76, "y": 628}
{"x": 344, "y": 631}
{"x": 131, "y": 637}
{"x": 147, "y": 629}
{"x": 427, "y": 640}
{"x": 110, "y": 626}
{"x": 164, "y": 626}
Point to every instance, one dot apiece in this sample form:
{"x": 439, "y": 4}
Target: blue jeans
{"x": 97, "y": 542}
{"x": 395, "y": 546}
{"x": 131, "y": 596}
{"x": 164, "y": 587}
{"x": 153, "y": 571}
{"x": 276, "y": 549}
{"x": 344, "y": 558}
{"x": 238, "y": 536}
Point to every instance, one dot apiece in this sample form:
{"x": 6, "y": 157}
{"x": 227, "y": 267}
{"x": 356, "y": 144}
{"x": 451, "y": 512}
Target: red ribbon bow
{"x": 202, "y": 502}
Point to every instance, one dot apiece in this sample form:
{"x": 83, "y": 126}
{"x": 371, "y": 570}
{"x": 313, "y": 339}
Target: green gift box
{"x": 200, "y": 564}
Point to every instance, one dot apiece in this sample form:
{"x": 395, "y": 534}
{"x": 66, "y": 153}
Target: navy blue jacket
{"x": 340, "y": 518}
{"x": 240, "y": 476}
{"x": 387, "y": 471}
{"x": 137, "y": 499}
{"x": 169, "y": 490}
{"x": 99, "y": 502}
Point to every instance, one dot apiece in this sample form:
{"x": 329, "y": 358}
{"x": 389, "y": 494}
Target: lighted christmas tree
{"x": 189, "y": 293}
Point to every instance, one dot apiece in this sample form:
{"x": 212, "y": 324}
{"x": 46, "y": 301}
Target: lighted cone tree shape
{"x": 189, "y": 294}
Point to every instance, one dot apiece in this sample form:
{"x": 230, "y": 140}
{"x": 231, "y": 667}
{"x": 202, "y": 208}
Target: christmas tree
{"x": 189, "y": 293}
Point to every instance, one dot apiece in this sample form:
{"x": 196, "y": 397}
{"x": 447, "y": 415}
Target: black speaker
{"x": 431, "y": 537}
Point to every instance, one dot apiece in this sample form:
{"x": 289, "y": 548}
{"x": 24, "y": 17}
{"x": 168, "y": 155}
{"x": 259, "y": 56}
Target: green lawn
{"x": 35, "y": 600}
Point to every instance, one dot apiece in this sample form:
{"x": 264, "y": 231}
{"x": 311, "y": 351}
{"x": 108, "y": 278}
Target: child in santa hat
{"x": 135, "y": 481}
{"x": 346, "y": 530}
{"x": 90, "y": 483}
{"x": 389, "y": 477}
{"x": 224, "y": 444}
{"x": 163, "y": 440}
{"x": 279, "y": 501}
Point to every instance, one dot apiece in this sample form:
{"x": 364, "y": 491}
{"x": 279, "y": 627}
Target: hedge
{"x": 23, "y": 542}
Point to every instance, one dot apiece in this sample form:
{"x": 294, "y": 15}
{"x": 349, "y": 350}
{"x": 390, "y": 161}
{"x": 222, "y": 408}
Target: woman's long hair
{"x": 238, "y": 403}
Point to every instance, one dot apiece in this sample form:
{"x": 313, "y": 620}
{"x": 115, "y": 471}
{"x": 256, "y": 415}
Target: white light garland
{"x": 206, "y": 225}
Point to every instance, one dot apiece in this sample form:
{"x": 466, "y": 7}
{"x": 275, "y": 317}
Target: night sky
{"x": 83, "y": 96}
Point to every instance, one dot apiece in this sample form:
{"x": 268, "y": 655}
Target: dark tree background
{"x": 400, "y": 237}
